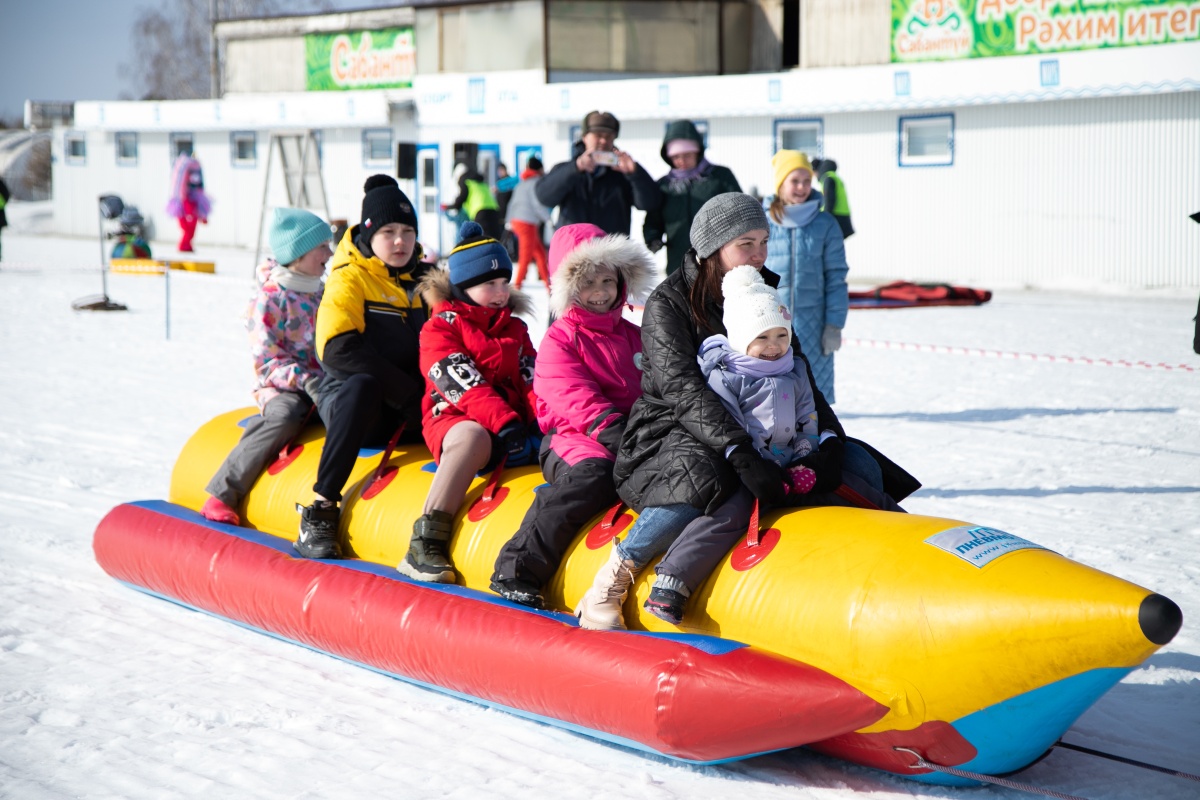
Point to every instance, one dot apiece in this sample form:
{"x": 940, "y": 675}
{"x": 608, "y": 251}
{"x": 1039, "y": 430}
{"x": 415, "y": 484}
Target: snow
{"x": 106, "y": 692}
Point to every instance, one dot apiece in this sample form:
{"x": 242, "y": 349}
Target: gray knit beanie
{"x": 724, "y": 218}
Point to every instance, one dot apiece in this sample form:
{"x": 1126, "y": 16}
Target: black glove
{"x": 610, "y": 437}
{"x": 764, "y": 478}
{"x": 516, "y": 443}
{"x": 654, "y": 245}
{"x": 827, "y": 463}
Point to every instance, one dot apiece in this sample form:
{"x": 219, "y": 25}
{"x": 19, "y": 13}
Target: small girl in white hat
{"x": 769, "y": 389}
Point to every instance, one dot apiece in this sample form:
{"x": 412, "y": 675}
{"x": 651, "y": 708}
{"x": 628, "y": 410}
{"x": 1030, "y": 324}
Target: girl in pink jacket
{"x": 586, "y": 378}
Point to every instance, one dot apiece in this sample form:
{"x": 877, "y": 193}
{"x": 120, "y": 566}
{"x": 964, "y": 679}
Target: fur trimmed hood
{"x": 631, "y": 261}
{"x": 435, "y": 288}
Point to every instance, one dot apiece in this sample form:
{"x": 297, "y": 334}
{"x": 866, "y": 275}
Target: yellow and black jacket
{"x": 370, "y": 322}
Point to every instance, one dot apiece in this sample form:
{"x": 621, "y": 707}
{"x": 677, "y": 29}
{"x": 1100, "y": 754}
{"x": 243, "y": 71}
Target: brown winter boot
{"x": 600, "y": 607}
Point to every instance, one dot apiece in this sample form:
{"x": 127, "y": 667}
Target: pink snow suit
{"x": 588, "y": 370}
{"x": 282, "y": 328}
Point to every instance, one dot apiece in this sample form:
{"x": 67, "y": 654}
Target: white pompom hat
{"x": 751, "y": 307}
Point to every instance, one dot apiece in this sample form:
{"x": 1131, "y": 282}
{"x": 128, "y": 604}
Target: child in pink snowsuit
{"x": 189, "y": 204}
{"x": 586, "y": 378}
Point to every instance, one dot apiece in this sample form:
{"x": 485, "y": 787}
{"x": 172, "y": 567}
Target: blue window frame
{"x": 127, "y": 148}
{"x": 805, "y": 135}
{"x": 75, "y": 148}
{"x": 377, "y": 147}
{"x": 523, "y": 153}
{"x": 243, "y": 149}
{"x": 925, "y": 141}
{"x": 181, "y": 143}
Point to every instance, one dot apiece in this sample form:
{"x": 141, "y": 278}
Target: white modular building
{"x": 1057, "y": 144}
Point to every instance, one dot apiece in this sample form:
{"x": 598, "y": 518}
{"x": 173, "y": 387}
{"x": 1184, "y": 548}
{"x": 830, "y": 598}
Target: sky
{"x": 63, "y": 50}
{"x": 67, "y": 50}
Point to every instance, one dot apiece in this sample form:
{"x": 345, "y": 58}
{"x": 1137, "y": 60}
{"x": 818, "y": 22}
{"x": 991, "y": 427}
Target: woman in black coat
{"x": 685, "y": 464}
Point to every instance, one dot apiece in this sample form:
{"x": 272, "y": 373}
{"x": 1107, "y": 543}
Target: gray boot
{"x": 428, "y": 556}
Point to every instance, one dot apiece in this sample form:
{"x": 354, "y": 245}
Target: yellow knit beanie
{"x": 783, "y": 162}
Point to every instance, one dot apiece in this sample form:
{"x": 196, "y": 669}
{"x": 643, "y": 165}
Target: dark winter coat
{"x": 604, "y": 197}
{"x": 682, "y": 199}
{"x": 674, "y": 446}
{"x": 4, "y": 196}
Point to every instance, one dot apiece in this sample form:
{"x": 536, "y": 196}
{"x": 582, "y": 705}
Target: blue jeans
{"x": 861, "y": 463}
{"x": 657, "y": 527}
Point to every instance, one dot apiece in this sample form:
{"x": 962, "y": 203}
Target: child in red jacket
{"x": 479, "y": 404}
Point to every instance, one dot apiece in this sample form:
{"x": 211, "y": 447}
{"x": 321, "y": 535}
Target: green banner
{"x": 383, "y": 59}
{"x": 936, "y": 30}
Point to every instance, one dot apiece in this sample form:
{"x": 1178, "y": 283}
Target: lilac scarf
{"x": 678, "y": 179}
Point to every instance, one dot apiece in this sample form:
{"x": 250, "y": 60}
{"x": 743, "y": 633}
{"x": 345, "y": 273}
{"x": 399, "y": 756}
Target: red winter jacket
{"x": 477, "y": 362}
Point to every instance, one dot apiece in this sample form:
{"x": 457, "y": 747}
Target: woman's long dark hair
{"x": 705, "y": 289}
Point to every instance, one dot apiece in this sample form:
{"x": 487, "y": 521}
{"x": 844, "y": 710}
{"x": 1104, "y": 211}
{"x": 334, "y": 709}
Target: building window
{"x": 243, "y": 146}
{"x": 127, "y": 149}
{"x": 181, "y": 144}
{"x": 75, "y": 148}
{"x": 927, "y": 141}
{"x": 377, "y": 147}
{"x": 805, "y": 135}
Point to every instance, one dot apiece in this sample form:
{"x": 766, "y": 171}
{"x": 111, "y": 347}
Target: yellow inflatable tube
{"x": 946, "y": 624}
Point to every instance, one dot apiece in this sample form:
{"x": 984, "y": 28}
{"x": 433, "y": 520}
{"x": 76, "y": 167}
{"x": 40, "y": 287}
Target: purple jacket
{"x": 772, "y": 400}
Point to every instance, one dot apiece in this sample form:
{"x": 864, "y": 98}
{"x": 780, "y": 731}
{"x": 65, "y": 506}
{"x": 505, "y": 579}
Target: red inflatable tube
{"x": 693, "y": 698}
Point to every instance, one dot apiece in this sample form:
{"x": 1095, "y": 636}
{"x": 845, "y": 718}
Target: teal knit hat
{"x": 294, "y": 232}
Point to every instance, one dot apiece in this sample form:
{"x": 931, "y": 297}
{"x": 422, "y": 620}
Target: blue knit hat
{"x": 477, "y": 258}
{"x": 294, "y": 232}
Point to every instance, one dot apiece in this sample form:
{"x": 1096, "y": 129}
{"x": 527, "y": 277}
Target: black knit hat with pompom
{"x": 384, "y": 204}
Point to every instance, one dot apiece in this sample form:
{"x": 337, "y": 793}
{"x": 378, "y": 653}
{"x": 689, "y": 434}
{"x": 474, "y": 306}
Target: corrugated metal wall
{"x": 845, "y": 33}
{"x": 1093, "y": 191}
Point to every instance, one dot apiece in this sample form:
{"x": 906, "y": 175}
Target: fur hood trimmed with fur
{"x": 435, "y": 288}
{"x": 631, "y": 261}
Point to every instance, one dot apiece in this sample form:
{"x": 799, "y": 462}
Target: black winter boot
{"x": 318, "y": 530}
{"x": 666, "y": 604}
{"x": 518, "y": 591}
{"x": 428, "y": 556}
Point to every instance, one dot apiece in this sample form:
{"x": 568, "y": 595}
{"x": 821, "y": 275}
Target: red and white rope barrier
{"x": 1013, "y": 356}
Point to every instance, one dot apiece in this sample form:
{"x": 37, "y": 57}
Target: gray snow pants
{"x": 264, "y": 437}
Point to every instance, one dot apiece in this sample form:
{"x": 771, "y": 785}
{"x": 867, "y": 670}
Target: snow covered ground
{"x": 108, "y": 693}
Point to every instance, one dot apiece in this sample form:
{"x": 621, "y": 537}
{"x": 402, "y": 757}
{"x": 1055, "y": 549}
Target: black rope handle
{"x": 1129, "y": 761}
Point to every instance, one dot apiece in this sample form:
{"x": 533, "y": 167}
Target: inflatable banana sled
{"x": 851, "y": 632}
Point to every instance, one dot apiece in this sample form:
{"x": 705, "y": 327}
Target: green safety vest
{"x": 842, "y": 209}
{"x": 479, "y": 198}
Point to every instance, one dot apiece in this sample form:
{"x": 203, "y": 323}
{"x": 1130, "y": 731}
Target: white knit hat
{"x": 751, "y": 307}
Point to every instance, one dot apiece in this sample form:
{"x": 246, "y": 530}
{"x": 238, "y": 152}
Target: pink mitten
{"x": 803, "y": 479}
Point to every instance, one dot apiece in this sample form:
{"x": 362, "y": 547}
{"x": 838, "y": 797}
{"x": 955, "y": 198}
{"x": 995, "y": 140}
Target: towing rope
{"x": 1014, "y": 356}
{"x": 1130, "y": 761}
{"x": 962, "y": 773}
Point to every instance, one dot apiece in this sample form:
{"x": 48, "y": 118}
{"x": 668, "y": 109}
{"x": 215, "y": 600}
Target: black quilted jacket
{"x": 673, "y": 450}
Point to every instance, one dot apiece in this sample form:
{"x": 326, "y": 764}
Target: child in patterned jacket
{"x": 282, "y": 331}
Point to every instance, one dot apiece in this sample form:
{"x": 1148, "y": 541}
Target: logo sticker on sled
{"x": 979, "y": 546}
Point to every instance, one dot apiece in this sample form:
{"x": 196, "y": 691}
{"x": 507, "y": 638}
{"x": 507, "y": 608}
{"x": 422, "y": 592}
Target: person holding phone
{"x": 601, "y": 184}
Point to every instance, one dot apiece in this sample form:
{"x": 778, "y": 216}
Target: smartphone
{"x": 605, "y": 158}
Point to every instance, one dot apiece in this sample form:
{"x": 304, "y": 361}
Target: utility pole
{"x": 213, "y": 76}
